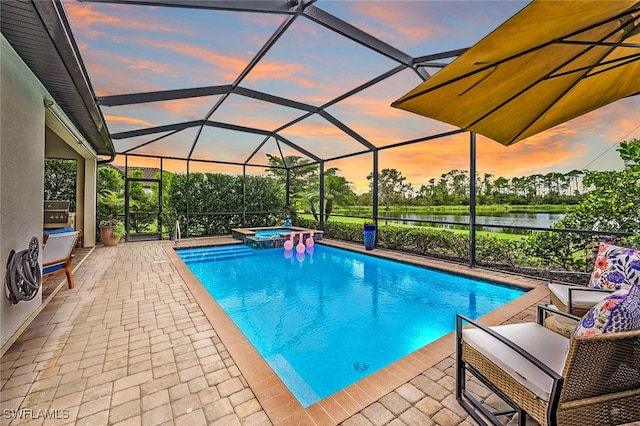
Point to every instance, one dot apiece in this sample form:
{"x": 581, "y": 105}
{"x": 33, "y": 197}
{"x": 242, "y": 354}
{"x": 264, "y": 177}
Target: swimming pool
{"x": 327, "y": 318}
{"x": 272, "y": 233}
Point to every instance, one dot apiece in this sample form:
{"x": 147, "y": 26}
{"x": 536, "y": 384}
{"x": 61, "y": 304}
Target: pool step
{"x": 216, "y": 253}
{"x": 237, "y": 248}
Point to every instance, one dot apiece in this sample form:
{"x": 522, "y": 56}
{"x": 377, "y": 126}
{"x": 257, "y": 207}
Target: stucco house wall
{"x": 22, "y": 130}
{"x": 25, "y": 123}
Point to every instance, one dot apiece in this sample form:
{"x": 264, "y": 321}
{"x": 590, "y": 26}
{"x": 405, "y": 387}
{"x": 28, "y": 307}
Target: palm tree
{"x": 337, "y": 190}
{"x": 574, "y": 175}
{"x": 486, "y": 183}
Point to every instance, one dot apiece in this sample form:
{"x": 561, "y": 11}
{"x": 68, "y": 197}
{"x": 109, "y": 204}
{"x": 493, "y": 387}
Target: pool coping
{"x": 279, "y": 403}
{"x": 245, "y": 232}
{"x": 248, "y": 236}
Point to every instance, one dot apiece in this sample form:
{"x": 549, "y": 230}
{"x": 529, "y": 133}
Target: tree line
{"x": 453, "y": 188}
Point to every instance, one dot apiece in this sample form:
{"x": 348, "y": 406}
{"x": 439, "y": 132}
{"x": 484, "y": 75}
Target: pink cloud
{"x": 614, "y": 122}
{"x": 88, "y": 16}
{"x": 398, "y": 25}
{"x": 230, "y": 66}
{"x": 119, "y": 119}
{"x": 103, "y": 65}
{"x": 320, "y": 132}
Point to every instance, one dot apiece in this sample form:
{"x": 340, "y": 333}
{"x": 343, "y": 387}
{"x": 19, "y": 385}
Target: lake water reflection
{"x": 536, "y": 220}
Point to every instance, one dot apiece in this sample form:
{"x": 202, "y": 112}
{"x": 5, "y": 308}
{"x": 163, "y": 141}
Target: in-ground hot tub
{"x": 273, "y": 236}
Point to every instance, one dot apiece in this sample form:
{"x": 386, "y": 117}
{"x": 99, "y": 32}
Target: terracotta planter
{"x": 106, "y": 236}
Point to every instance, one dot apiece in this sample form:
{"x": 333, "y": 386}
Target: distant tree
{"x": 301, "y": 172}
{"x": 612, "y": 205}
{"x": 140, "y": 201}
{"x": 109, "y": 179}
{"x": 460, "y": 182}
{"x": 168, "y": 212}
{"x": 364, "y": 199}
{"x": 110, "y": 191}
{"x": 573, "y": 176}
{"x": 392, "y": 188}
{"x": 501, "y": 184}
{"x": 486, "y": 186}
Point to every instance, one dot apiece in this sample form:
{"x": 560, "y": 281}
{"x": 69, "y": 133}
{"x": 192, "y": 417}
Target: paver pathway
{"x": 130, "y": 345}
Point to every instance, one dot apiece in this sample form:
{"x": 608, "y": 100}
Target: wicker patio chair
{"x": 575, "y": 299}
{"x": 587, "y": 381}
{"x": 614, "y": 267}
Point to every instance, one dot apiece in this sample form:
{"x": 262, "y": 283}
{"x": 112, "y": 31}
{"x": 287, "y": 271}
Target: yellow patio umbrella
{"x": 549, "y": 63}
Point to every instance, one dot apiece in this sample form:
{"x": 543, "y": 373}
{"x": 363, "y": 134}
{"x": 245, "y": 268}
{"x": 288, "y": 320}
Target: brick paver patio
{"x": 131, "y": 345}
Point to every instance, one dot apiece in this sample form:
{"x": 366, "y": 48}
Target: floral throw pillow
{"x": 615, "y": 267}
{"x": 620, "y": 311}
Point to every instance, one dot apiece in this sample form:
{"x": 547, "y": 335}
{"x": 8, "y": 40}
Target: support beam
{"x": 188, "y": 186}
{"x": 255, "y": 60}
{"x": 162, "y": 95}
{"x": 260, "y": 6}
{"x": 298, "y": 148}
{"x": 347, "y": 30}
{"x": 229, "y": 163}
{"x": 441, "y": 55}
{"x": 287, "y": 200}
{"x": 472, "y": 199}
{"x": 365, "y": 85}
{"x": 150, "y": 142}
{"x": 127, "y": 222}
{"x": 157, "y": 129}
{"x": 160, "y": 203}
{"x": 340, "y": 125}
{"x": 424, "y": 139}
{"x": 255, "y": 94}
{"x": 237, "y": 128}
{"x": 321, "y": 208}
{"x": 244, "y": 195}
{"x": 374, "y": 192}
{"x": 255, "y": 151}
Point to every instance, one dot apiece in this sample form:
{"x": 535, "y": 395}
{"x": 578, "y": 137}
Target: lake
{"x": 535, "y": 220}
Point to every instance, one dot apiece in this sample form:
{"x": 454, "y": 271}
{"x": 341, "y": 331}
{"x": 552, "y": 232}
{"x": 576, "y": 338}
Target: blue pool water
{"x": 272, "y": 233}
{"x": 327, "y": 318}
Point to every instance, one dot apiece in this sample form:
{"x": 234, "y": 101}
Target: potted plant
{"x": 369, "y": 235}
{"x": 111, "y": 231}
{"x": 110, "y": 207}
{"x": 169, "y": 219}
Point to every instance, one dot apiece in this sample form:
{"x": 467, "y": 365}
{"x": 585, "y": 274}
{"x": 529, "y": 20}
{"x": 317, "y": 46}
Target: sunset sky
{"x": 130, "y": 49}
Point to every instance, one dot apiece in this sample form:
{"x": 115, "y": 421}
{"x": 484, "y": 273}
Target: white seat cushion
{"x": 542, "y": 343}
{"x": 579, "y": 299}
{"x": 58, "y": 247}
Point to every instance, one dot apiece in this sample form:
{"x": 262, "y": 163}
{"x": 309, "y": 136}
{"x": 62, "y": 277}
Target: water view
{"x": 535, "y": 220}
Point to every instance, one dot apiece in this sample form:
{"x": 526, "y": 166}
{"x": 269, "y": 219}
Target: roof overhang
{"x": 39, "y": 32}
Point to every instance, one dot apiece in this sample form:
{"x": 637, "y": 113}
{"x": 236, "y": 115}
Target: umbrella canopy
{"x": 549, "y": 63}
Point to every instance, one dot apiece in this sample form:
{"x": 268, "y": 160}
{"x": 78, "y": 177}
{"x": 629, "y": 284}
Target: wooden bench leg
{"x": 67, "y": 271}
